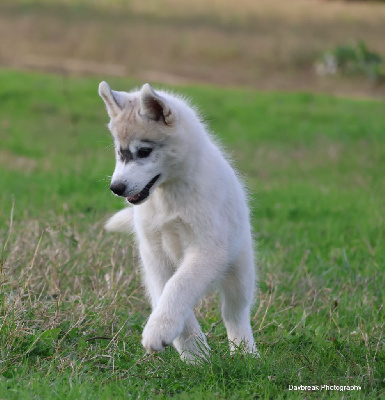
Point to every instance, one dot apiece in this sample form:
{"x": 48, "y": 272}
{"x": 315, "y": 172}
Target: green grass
{"x": 315, "y": 167}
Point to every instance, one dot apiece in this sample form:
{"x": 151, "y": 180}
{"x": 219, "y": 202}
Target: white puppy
{"x": 190, "y": 217}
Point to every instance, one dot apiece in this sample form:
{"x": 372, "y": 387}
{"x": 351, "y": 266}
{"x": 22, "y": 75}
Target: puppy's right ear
{"x": 113, "y": 100}
{"x": 154, "y": 106}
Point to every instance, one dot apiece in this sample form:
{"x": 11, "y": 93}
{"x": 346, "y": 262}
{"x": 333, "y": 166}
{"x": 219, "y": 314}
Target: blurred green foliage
{"x": 353, "y": 59}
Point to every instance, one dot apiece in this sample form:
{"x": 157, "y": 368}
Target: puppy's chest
{"x": 172, "y": 235}
{"x": 175, "y": 238}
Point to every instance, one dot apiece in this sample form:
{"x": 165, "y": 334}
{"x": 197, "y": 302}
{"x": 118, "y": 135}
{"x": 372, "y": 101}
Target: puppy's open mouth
{"x": 140, "y": 197}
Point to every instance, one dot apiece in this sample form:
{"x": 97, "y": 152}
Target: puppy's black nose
{"x": 118, "y": 188}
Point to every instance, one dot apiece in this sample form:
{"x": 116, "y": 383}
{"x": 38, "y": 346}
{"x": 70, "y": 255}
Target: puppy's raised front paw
{"x": 160, "y": 333}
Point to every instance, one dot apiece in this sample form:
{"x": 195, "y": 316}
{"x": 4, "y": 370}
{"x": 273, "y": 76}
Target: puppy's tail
{"x": 122, "y": 221}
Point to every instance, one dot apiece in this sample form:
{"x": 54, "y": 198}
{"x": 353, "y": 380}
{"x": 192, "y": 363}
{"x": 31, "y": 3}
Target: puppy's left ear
{"x": 114, "y": 100}
{"x": 155, "y": 107}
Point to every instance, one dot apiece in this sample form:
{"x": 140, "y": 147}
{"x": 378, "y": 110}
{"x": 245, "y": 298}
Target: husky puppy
{"x": 189, "y": 214}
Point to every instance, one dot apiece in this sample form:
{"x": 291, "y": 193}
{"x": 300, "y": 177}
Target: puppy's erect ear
{"x": 114, "y": 100}
{"x": 155, "y": 107}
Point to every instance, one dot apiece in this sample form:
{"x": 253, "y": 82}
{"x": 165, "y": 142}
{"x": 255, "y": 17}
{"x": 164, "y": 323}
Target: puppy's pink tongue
{"x": 133, "y": 198}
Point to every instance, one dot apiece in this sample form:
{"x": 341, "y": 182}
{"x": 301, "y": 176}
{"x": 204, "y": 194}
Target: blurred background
{"x": 311, "y": 45}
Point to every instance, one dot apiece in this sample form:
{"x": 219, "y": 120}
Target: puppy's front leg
{"x": 184, "y": 289}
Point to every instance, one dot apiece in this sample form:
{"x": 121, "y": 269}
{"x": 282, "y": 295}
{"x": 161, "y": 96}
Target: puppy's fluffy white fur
{"x": 192, "y": 226}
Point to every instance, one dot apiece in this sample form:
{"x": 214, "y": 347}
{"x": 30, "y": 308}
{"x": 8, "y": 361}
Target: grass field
{"x": 71, "y": 305}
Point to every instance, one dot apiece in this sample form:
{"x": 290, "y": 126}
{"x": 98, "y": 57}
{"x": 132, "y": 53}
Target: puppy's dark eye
{"x": 144, "y": 152}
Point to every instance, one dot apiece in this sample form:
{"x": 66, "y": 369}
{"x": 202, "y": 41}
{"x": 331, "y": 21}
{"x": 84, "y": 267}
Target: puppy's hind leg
{"x": 237, "y": 293}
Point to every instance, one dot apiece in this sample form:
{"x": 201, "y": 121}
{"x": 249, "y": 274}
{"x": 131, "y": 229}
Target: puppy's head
{"x": 143, "y": 125}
